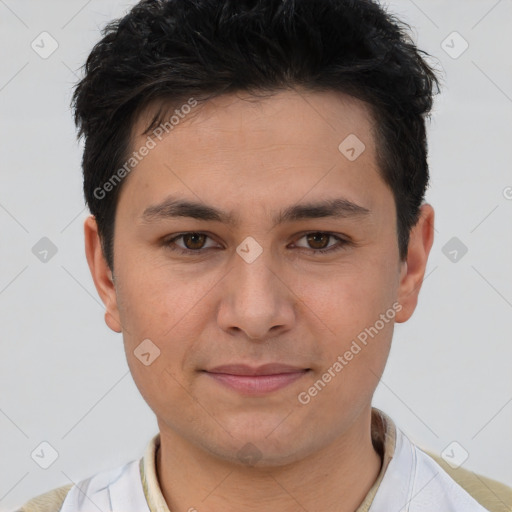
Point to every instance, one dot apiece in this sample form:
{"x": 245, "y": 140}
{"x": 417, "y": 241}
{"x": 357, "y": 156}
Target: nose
{"x": 256, "y": 300}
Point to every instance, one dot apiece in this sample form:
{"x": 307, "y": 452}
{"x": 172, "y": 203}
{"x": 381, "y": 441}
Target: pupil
{"x": 194, "y": 237}
{"x": 315, "y": 239}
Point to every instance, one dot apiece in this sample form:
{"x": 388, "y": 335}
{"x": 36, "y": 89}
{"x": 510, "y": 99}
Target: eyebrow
{"x": 173, "y": 207}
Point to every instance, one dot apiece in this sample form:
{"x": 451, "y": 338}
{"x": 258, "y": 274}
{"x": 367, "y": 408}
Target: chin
{"x": 264, "y": 443}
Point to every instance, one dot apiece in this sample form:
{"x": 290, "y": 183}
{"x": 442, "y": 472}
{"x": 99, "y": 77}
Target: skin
{"x": 253, "y": 158}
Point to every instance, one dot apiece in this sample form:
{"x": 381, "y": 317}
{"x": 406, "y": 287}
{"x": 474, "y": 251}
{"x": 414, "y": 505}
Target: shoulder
{"x": 491, "y": 494}
{"x": 425, "y": 483}
{"x": 114, "y": 489}
{"x": 119, "y": 488}
{"x": 50, "y": 501}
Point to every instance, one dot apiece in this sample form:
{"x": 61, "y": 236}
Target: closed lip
{"x": 247, "y": 370}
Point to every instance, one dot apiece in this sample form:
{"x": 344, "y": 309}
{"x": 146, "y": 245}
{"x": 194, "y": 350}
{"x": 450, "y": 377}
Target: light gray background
{"x": 63, "y": 373}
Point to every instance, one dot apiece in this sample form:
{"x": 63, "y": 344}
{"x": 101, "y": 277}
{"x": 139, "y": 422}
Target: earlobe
{"x": 101, "y": 273}
{"x": 112, "y": 321}
{"x": 413, "y": 269}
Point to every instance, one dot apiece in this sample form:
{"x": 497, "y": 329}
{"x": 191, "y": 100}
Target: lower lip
{"x": 257, "y": 384}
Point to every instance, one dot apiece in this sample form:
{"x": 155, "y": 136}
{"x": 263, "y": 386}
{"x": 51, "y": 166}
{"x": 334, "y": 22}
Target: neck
{"x": 335, "y": 479}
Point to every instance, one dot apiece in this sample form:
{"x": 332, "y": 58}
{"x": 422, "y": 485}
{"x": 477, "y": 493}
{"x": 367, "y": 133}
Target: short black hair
{"x": 169, "y": 51}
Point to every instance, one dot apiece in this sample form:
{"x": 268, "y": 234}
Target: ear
{"x": 413, "y": 269}
{"x": 101, "y": 273}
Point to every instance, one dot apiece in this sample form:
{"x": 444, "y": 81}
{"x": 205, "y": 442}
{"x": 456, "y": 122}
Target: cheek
{"x": 155, "y": 301}
{"x": 171, "y": 307}
{"x": 355, "y": 347}
{"x": 347, "y": 298}
{"x": 346, "y": 307}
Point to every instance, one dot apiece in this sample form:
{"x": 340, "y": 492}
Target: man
{"x": 256, "y": 175}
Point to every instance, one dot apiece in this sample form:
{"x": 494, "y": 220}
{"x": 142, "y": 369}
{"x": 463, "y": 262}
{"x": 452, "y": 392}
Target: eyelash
{"x": 342, "y": 243}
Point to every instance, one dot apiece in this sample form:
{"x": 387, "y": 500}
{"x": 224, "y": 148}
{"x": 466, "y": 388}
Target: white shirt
{"x": 411, "y": 482}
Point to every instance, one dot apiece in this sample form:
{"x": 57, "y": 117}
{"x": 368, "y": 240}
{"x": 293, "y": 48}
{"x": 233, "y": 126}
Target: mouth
{"x": 256, "y": 380}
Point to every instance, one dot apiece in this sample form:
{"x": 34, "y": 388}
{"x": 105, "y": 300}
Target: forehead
{"x": 276, "y": 148}
{"x": 302, "y": 111}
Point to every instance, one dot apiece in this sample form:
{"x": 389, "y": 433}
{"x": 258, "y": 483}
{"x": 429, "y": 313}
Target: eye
{"x": 194, "y": 243}
{"x": 319, "y": 240}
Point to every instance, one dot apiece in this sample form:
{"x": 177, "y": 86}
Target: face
{"x": 269, "y": 305}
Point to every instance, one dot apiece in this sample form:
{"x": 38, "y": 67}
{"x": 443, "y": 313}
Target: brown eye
{"x": 318, "y": 240}
{"x": 188, "y": 243}
{"x": 194, "y": 241}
